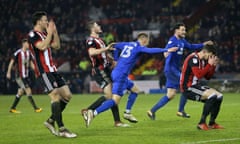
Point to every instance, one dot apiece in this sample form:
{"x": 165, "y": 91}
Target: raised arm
{"x": 56, "y": 40}
{"x": 158, "y": 50}
{"x": 196, "y": 46}
{"x": 207, "y": 71}
{"x": 43, "y": 45}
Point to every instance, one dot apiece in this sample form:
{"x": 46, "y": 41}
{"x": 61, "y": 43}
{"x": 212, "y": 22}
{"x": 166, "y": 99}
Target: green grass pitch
{"x": 27, "y": 127}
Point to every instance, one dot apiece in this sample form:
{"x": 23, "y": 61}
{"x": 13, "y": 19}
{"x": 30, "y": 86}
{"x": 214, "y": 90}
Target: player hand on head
{"x": 212, "y": 60}
{"x": 208, "y": 43}
{"x": 172, "y": 49}
{"x": 216, "y": 60}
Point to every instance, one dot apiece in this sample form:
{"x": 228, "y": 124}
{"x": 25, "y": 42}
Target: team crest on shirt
{"x": 31, "y": 34}
{"x": 169, "y": 42}
{"x": 90, "y": 42}
{"x": 195, "y": 60}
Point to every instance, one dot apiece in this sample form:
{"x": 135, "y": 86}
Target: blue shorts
{"x": 172, "y": 80}
{"x": 120, "y": 84}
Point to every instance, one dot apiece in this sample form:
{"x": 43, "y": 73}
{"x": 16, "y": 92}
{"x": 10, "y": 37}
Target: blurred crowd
{"x": 119, "y": 19}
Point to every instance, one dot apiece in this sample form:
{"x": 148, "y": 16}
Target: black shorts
{"x": 23, "y": 82}
{"x": 51, "y": 81}
{"x": 195, "y": 92}
{"x": 102, "y": 77}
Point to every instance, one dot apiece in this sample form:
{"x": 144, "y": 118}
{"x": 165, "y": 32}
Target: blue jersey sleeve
{"x": 192, "y": 46}
{"x": 116, "y": 54}
{"x": 153, "y": 50}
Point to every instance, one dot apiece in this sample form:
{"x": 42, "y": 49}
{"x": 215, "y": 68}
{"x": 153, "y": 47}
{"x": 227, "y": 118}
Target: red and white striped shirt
{"x": 22, "y": 59}
{"x": 43, "y": 59}
{"x": 101, "y": 60}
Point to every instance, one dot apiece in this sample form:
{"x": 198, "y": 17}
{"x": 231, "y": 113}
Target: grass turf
{"x": 27, "y": 127}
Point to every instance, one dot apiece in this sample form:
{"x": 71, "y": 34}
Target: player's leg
{"x": 172, "y": 84}
{"x": 163, "y": 101}
{"x": 134, "y": 90}
{"x": 65, "y": 97}
{"x": 115, "y": 109}
{"x": 117, "y": 90}
{"x": 209, "y": 98}
{"x": 28, "y": 92}
{"x": 52, "y": 81}
{"x": 103, "y": 79}
{"x": 105, "y": 106}
{"x": 215, "y": 110}
{"x": 16, "y": 101}
{"x": 182, "y": 102}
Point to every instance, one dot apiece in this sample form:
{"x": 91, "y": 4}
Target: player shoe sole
{"x": 151, "y": 115}
{"x": 202, "y": 126}
{"x": 14, "y": 111}
{"x": 51, "y": 128}
{"x": 183, "y": 114}
{"x": 130, "y": 117}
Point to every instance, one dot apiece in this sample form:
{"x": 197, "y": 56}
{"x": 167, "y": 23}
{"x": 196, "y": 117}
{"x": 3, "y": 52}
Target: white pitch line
{"x": 219, "y": 140}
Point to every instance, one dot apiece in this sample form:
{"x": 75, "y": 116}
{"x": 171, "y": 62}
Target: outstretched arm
{"x": 196, "y": 46}
{"x": 93, "y": 51}
{"x": 158, "y": 50}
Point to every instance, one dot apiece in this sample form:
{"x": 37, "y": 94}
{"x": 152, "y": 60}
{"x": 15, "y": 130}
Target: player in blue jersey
{"x": 172, "y": 69}
{"x": 130, "y": 52}
{"x": 132, "y": 88}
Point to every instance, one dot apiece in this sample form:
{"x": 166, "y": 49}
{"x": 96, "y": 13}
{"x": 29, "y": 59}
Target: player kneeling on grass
{"x": 196, "y": 66}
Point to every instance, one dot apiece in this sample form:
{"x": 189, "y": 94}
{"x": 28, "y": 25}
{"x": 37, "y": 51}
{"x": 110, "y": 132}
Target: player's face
{"x": 181, "y": 32}
{"x": 44, "y": 22}
{"x": 207, "y": 55}
{"x": 144, "y": 41}
{"x": 25, "y": 45}
{"x": 97, "y": 28}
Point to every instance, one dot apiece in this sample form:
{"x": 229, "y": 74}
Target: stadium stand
{"x": 212, "y": 19}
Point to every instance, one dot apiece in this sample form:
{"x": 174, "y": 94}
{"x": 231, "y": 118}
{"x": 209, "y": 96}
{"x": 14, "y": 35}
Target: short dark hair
{"x": 24, "y": 40}
{"x": 90, "y": 24}
{"x": 142, "y": 34}
{"x": 177, "y": 26}
{"x": 210, "y": 48}
{"x": 37, "y": 16}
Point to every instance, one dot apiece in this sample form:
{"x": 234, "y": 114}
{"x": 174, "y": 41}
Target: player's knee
{"x": 54, "y": 95}
{"x": 212, "y": 96}
{"x": 108, "y": 95}
{"x": 220, "y": 97}
{"x": 135, "y": 89}
{"x": 171, "y": 95}
{"x": 116, "y": 99}
{"x": 68, "y": 96}
{"x": 20, "y": 92}
{"x": 28, "y": 91}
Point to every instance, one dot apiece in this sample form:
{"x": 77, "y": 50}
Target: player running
{"x": 102, "y": 63}
{"x": 172, "y": 70}
{"x": 130, "y": 52}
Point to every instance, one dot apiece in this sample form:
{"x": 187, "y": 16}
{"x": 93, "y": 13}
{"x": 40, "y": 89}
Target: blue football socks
{"x": 182, "y": 103}
{"x": 105, "y": 106}
{"x": 164, "y": 100}
{"x": 131, "y": 99}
